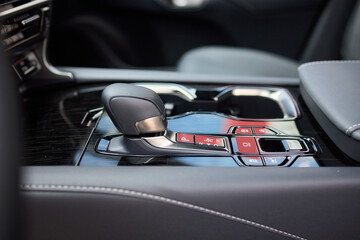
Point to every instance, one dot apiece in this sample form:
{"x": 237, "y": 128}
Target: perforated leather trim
{"x": 147, "y": 196}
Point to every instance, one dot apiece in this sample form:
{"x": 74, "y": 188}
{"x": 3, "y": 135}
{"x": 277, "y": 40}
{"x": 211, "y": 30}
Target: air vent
{"x": 18, "y": 27}
{"x": 11, "y": 3}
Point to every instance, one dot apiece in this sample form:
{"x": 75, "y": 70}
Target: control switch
{"x": 274, "y": 161}
{"x": 243, "y": 131}
{"x": 185, "y": 138}
{"x": 263, "y": 131}
{"x": 292, "y": 145}
{"x": 210, "y": 141}
{"x": 246, "y": 145}
{"x": 252, "y": 161}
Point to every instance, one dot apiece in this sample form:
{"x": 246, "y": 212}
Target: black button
{"x": 274, "y": 161}
{"x": 252, "y": 161}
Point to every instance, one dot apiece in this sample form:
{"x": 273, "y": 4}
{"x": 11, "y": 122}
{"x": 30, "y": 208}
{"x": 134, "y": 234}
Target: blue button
{"x": 252, "y": 161}
{"x": 274, "y": 161}
{"x": 103, "y": 145}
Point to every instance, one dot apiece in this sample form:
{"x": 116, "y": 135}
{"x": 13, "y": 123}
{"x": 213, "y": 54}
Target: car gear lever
{"x": 134, "y": 110}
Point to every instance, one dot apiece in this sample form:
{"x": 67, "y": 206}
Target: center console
{"x": 246, "y": 126}
{"x": 209, "y": 126}
{"x": 107, "y": 151}
{"x": 157, "y": 117}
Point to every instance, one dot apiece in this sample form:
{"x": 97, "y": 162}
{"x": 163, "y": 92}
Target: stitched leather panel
{"x": 309, "y": 203}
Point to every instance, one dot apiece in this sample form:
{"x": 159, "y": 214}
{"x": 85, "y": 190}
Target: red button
{"x": 185, "y": 138}
{"x": 243, "y": 131}
{"x": 246, "y": 145}
{"x": 210, "y": 141}
{"x": 263, "y": 131}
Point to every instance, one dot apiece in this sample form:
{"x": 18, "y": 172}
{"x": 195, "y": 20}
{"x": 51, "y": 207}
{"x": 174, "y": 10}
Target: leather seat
{"x": 236, "y": 61}
{"x": 10, "y": 151}
{"x": 325, "y": 44}
{"x": 179, "y": 203}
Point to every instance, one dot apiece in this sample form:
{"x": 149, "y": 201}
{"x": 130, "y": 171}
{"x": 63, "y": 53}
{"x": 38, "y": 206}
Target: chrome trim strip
{"x": 50, "y": 67}
{"x": 163, "y": 143}
{"x": 30, "y": 19}
{"x": 23, "y": 41}
{"x": 151, "y": 125}
{"x": 22, "y": 7}
{"x": 186, "y": 93}
{"x": 280, "y": 95}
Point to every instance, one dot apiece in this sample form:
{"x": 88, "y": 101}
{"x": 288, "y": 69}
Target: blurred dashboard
{"x": 25, "y": 26}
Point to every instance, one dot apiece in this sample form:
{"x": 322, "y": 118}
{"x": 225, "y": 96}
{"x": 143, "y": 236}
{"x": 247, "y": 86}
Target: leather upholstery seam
{"x": 349, "y": 130}
{"x": 327, "y": 62}
{"x": 352, "y": 128}
{"x": 142, "y": 195}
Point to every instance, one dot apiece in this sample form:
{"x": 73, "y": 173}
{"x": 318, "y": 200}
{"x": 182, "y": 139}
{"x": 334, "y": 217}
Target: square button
{"x": 246, "y": 145}
{"x": 263, "y": 131}
{"x": 274, "y": 161}
{"x": 292, "y": 145}
{"x": 252, "y": 161}
{"x": 103, "y": 145}
{"x": 185, "y": 138}
{"x": 243, "y": 131}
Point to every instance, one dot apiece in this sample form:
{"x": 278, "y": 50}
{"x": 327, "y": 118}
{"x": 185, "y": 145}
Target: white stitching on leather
{"x": 351, "y": 128}
{"x": 327, "y": 62}
{"x": 347, "y": 132}
{"x": 112, "y": 190}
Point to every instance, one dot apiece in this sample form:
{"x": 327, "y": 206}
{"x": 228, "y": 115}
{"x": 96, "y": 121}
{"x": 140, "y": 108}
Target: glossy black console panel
{"x": 148, "y": 150}
{"x": 55, "y": 133}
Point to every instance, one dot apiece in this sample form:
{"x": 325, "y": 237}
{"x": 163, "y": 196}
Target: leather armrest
{"x": 331, "y": 90}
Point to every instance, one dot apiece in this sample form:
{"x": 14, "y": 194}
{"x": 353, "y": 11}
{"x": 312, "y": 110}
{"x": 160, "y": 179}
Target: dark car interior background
{"x": 180, "y": 119}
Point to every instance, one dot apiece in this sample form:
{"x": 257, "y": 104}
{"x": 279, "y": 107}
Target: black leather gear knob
{"x": 134, "y": 110}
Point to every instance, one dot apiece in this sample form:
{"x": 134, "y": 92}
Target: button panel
{"x": 254, "y": 131}
{"x": 201, "y": 140}
{"x": 27, "y": 65}
{"x": 273, "y": 161}
{"x": 255, "y": 146}
{"x": 209, "y": 141}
